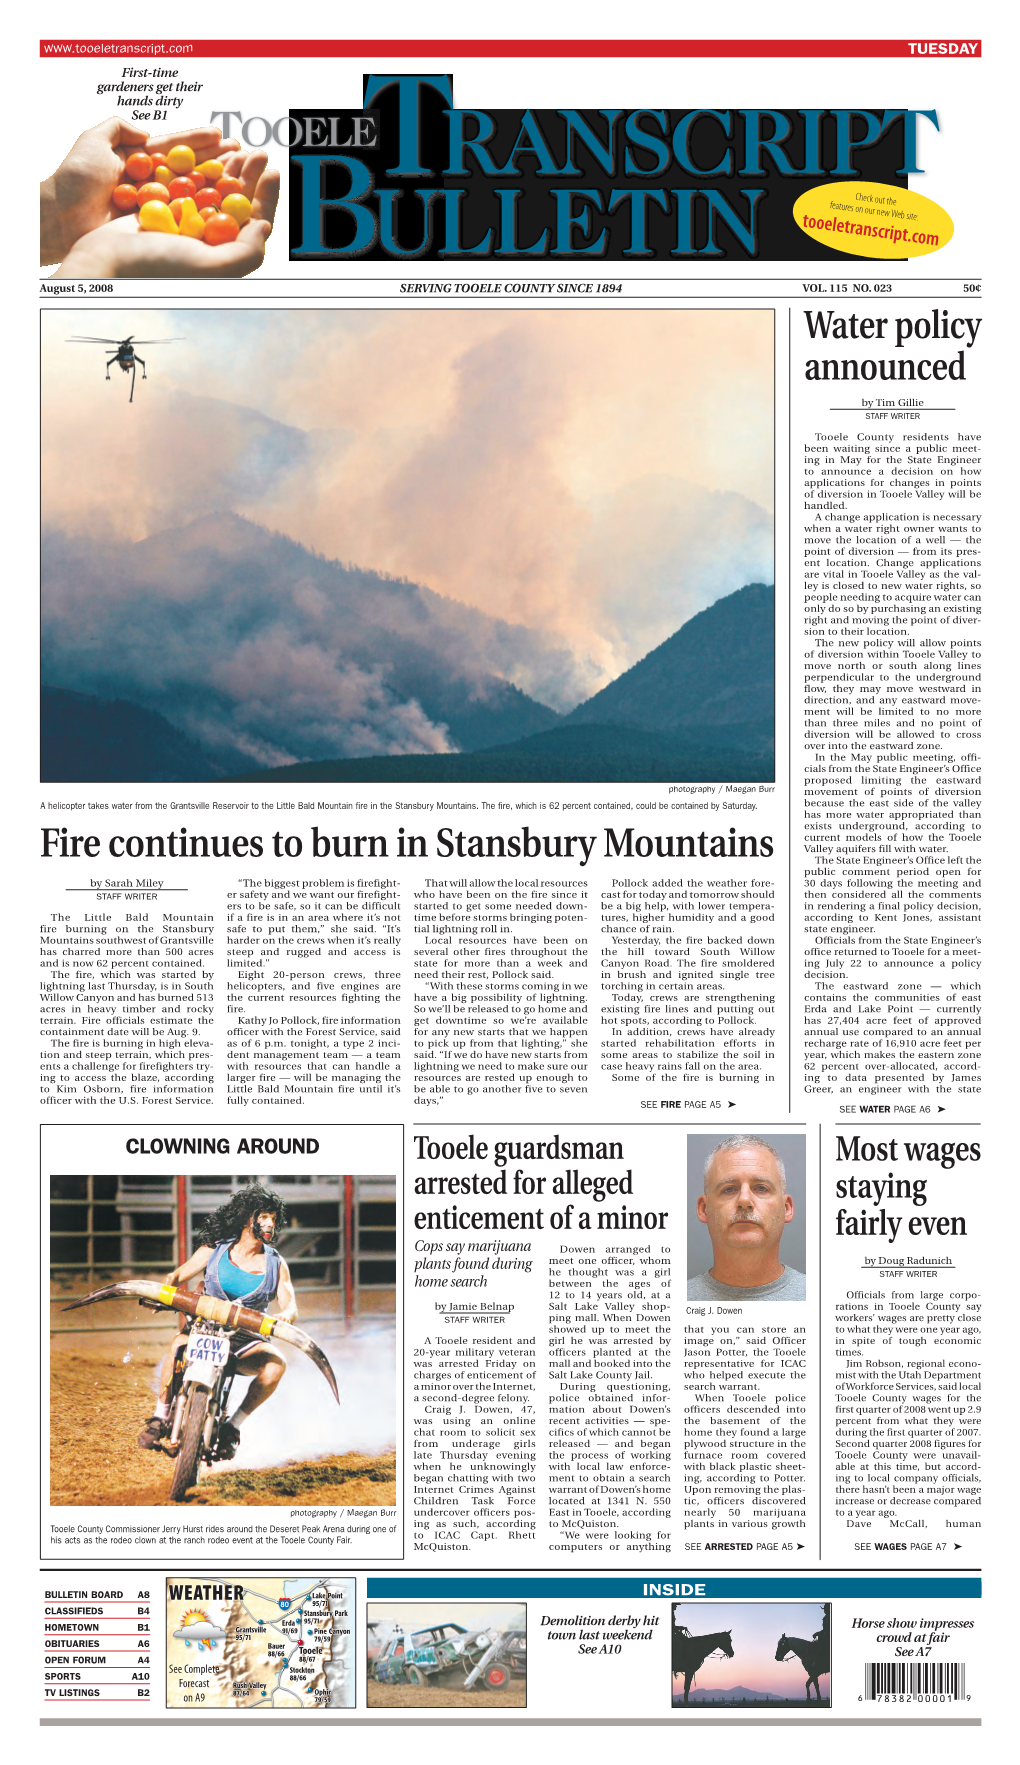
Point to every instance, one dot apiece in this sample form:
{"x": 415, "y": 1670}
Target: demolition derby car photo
{"x": 477, "y": 1656}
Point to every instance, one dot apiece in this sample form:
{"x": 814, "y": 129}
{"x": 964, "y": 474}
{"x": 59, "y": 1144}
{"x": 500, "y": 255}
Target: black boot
{"x": 227, "y": 1440}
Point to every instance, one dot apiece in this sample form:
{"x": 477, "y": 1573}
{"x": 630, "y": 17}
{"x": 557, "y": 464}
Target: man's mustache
{"x": 746, "y": 1219}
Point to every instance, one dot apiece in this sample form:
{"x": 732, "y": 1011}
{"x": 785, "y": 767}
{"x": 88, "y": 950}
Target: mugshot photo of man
{"x": 750, "y": 1191}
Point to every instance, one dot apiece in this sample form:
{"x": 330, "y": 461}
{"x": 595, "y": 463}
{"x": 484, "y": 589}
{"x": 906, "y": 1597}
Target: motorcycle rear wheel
{"x": 186, "y": 1463}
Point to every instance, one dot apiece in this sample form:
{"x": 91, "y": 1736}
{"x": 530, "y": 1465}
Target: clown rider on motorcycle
{"x": 239, "y": 1262}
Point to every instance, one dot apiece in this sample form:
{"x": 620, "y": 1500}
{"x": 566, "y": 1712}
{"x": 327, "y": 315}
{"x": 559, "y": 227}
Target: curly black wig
{"x": 229, "y": 1221}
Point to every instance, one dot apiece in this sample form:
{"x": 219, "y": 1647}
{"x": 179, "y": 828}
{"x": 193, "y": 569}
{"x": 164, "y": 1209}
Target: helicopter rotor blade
{"x": 119, "y": 342}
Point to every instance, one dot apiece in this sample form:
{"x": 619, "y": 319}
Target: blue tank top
{"x": 224, "y": 1280}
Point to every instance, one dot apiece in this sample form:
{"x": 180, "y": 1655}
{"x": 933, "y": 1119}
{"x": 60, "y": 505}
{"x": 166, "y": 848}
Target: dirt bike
{"x": 205, "y": 1366}
{"x": 204, "y": 1371}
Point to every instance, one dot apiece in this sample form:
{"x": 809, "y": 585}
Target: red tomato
{"x": 210, "y": 195}
{"x": 175, "y": 208}
{"x": 197, "y": 179}
{"x": 139, "y": 167}
{"x": 151, "y": 193}
{"x": 182, "y": 187}
{"x": 208, "y": 212}
{"x": 228, "y": 186}
{"x": 125, "y": 196}
{"x": 221, "y": 230}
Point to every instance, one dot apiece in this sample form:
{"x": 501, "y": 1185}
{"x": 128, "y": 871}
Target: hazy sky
{"x": 599, "y": 476}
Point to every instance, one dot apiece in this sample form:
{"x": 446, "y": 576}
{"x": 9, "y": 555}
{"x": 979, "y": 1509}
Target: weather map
{"x": 273, "y": 1644}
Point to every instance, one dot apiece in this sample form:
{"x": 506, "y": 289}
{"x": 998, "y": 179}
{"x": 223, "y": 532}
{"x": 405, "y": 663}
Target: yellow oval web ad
{"x": 873, "y": 220}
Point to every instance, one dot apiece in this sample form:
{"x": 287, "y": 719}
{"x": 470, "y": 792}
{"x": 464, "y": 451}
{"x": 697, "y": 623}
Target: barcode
{"x": 914, "y": 1679}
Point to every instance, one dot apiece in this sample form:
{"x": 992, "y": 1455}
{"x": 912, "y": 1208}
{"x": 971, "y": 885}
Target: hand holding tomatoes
{"x": 91, "y": 223}
{"x": 212, "y": 201}
{"x": 79, "y": 196}
{"x": 129, "y": 246}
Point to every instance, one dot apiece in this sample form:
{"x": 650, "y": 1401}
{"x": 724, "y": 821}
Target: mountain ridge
{"x": 262, "y": 649}
{"x": 235, "y": 652}
{"x": 688, "y": 681}
{"x": 646, "y": 730}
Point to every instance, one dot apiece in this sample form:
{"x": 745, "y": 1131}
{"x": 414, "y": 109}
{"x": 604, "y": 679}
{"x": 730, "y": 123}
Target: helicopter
{"x": 124, "y": 354}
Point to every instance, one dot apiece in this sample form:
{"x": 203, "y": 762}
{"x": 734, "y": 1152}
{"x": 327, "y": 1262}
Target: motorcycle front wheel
{"x": 186, "y": 1463}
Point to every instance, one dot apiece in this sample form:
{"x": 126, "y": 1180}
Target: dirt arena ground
{"x": 446, "y": 1697}
{"x": 98, "y": 1401}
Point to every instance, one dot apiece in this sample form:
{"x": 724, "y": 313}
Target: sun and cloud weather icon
{"x": 197, "y": 1627}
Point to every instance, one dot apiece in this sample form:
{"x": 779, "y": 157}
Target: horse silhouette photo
{"x": 813, "y": 1652}
{"x": 689, "y": 1652}
{"x": 734, "y": 1661}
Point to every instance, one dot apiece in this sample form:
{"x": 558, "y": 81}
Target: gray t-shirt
{"x": 790, "y": 1285}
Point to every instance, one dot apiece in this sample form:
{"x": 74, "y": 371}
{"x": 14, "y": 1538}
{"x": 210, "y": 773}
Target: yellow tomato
{"x": 180, "y": 159}
{"x": 238, "y": 207}
{"x": 155, "y": 217}
{"x": 190, "y": 221}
